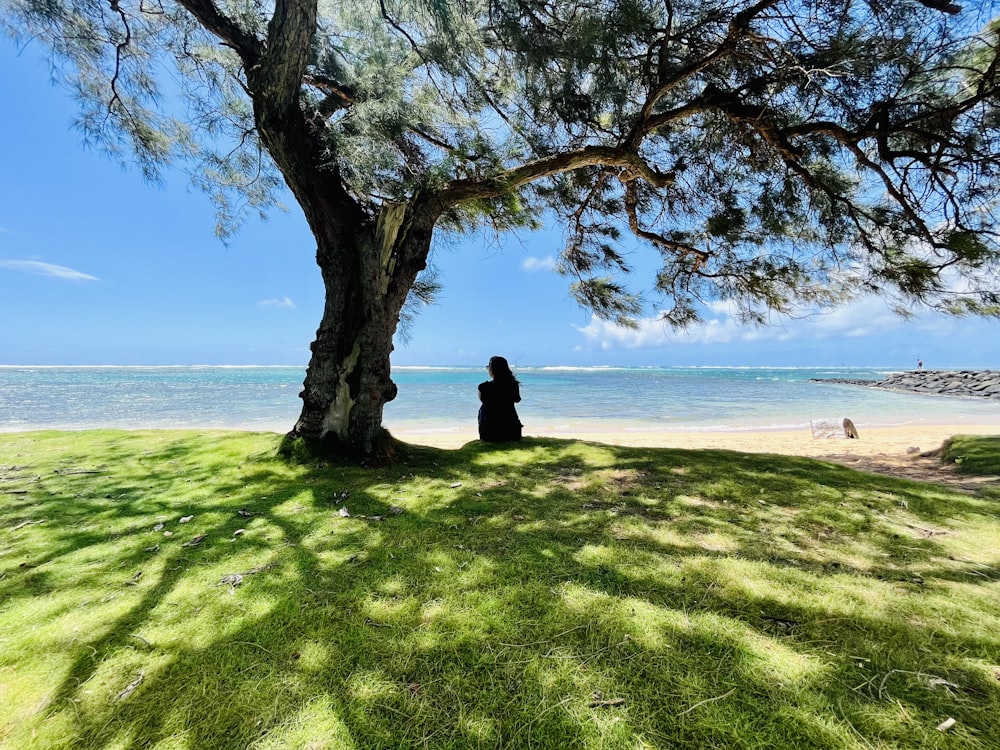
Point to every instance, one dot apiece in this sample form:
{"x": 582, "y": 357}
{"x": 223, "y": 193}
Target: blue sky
{"x": 98, "y": 267}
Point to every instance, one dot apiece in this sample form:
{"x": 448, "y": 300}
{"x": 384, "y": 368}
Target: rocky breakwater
{"x": 965, "y": 383}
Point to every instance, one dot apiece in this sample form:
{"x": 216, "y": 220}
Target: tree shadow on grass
{"x": 551, "y": 594}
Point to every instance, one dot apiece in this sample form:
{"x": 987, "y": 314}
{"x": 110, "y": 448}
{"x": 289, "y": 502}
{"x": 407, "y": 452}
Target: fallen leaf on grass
{"x": 194, "y": 542}
{"x": 154, "y": 548}
{"x": 235, "y": 579}
{"x": 945, "y": 725}
{"x": 185, "y": 519}
{"x": 244, "y": 512}
{"x": 158, "y": 527}
{"x": 344, "y": 513}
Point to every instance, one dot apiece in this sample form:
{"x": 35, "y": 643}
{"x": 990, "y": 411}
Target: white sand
{"x": 890, "y": 441}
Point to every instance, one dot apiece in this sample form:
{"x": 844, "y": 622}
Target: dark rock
{"x": 957, "y": 383}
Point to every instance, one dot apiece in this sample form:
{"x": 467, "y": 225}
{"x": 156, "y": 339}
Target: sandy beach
{"x": 881, "y": 441}
{"x": 901, "y": 452}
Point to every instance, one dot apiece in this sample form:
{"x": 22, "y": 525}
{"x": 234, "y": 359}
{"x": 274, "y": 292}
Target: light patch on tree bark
{"x": 390, "y": 221}
{"x": 337, "y": 419}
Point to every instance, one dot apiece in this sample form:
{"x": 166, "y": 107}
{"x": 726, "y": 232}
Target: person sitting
{"x": 498, "y": 420}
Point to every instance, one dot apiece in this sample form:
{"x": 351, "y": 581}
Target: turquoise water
{"x": 443, "y": 400}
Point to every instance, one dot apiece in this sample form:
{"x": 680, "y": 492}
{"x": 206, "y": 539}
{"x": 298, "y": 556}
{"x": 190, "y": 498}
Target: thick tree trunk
{"x": 367, "y": 276}
{"x": 369, "y": 264}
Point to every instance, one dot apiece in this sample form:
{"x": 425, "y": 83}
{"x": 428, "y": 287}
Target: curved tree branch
{"x": 591, "y": 156}
{"x": 246, "y": 45}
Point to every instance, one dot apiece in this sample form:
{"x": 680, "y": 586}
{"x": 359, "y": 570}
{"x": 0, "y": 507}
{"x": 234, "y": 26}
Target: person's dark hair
{"x": 501, "y": 370}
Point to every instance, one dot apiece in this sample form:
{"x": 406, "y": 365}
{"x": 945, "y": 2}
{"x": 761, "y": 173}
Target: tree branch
{"x": 737, "y": 28}
{"x": 247, "y": 46}
{"x": 591, "y": 156}
{"x": 631, "y": 203}
{"x": 289, "y": 38}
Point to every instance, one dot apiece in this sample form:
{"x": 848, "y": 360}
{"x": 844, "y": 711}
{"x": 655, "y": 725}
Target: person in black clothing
{"x": 498, "y": 420}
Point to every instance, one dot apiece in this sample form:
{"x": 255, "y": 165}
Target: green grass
{"x": 555, "y": 594}
{"x": 973, "y": 454}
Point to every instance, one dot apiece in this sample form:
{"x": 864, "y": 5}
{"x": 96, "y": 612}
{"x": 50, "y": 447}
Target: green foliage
{"x": 607, "y": 299}
{"x": 553, "y": 594}
{"x": 765, "y": 151}
{"x": 973, "y": 454}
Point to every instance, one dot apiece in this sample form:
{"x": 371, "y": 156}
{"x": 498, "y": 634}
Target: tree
{"x": 778, "y": 154}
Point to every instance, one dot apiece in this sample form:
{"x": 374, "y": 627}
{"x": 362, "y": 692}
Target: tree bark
{"x": 368, "y": 264}
{"x": 368, "y": 273}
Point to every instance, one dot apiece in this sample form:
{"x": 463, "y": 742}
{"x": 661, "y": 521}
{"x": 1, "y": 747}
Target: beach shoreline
{"x": 906, "y": 440}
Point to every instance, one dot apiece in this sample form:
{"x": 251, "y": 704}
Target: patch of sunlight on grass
{"x": 395, "y": 585}
{"x": 892, "y": 719}
{"x": 64, "y": 619}
{"x": 433, "y": 611}
{"x": 400, "y": 612}
{"x": 632, "y": 617}
{"x": 293, "y": 506}
{"x": 317, "y": 725}
{"x": 196, "y": 615}
{"x": 594, "y": 555}
{"x": 957, "y": 610}
{"x": 651, "y": 626}
{"x": 457, "y": 616}
{"x": 337, "y": 555}
{"x": 370, "y": 685}
{"x": 313, "y": 656}
{"x": 663, "y": 534}
{"x": 771, "y": 662}
{"x": 483, "y": 731}
{"x": 718, "y": 542}
{"x": 763, "y": 581}
{"x": 636, "y": 566}
{"x": 696, "y": 501}
{"x": 31, "y": 691}
{"x": 825, "y": 729}
{"x": 57, "y": 731}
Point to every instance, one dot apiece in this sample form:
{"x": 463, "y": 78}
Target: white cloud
{"x": 46, "y": 269}
{"x": 283, "y": 302}
{"x": 868, "y": 316}
{"x": 865, "y": 317}
{"x": 539, "y": 264}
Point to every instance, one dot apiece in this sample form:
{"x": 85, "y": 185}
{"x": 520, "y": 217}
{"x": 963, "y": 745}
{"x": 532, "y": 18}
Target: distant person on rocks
{"x": 498, "y": 420}
{"x": 920, "y": 364}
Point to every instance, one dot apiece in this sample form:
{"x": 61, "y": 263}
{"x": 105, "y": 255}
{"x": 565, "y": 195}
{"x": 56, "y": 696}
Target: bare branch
{"x": 590, "y": 156}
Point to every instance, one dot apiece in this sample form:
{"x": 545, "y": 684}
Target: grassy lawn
{"x": 973, "y": 454}
{"x": 191, "y": 590}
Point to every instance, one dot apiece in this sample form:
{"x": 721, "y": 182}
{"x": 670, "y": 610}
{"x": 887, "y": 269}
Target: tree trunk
{"x": 368, "y": 264}
{"x": 367, "y": 275}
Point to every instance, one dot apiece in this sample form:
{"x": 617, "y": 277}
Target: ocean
{"x": 443, "y": 400}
